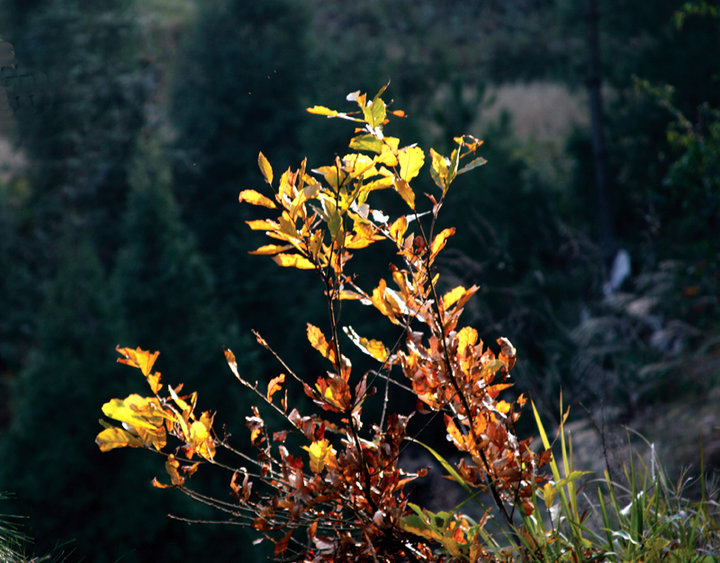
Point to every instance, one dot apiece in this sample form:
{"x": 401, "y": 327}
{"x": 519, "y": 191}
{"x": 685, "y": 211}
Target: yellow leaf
{"x": 452, "y": 296}
{"x": 405, "y": 191}
{"x": 201, "y": 440}
{"x": 398, "y": 229}
{"x": 439, "y": 241}
{"x": 256, "y": 198}
{"x": 411, "y": 160}
{"x": 294, "y": 261}
{"x": 439, "y": 171}
{"x": 138, "y": 358}
{"x": 467, "y": 337}
{"x": 263, "y": 225}
{"x": 154, "y": 382}
{"x": 265, "y": 168}
{"x": 112, "y": 438}
{"x": 269, "y": 249}
{"x": 373, "y": 348}
{"x": 137, "y": 411}
{"x": 322, "y": 110}
{"x": 321, "y": 454}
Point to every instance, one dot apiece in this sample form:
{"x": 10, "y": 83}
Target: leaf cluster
{"x": 344, "y": 497}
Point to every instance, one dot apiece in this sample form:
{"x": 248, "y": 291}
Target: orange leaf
{"x": 275, "y": 385}
{"x": 154, "y": 382}
{"x": 138, "y": 358}
{"x": 317, "y": 340}
{"x": 171, "y": 466}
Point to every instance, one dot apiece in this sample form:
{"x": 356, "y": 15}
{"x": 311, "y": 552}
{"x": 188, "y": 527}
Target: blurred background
{"x": 127, "y": 129}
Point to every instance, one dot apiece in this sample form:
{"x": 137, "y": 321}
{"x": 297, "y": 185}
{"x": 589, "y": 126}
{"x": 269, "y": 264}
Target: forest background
{"x": 127, "y": 130}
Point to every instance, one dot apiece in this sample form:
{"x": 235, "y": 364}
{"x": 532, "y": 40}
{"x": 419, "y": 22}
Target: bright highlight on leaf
{"x": 321, "y": 454}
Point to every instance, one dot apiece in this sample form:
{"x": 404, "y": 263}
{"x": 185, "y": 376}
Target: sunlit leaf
{"x": 452, "y": 296}
{"x": 256, "y": 198}
{"x": 265, "y": 168}
{"x": 373, "y": 348}
{"x": 411, "y": 160}
{"x": 367, "y": 142}
{"x": 112, "y": 438}
{"x": 274, "y": 386}
{"x": 439, "y": 241}
{"x": 270, "y": 249}
{"x": 293, "y": 261}
{"x": 319, "y": 342}
{"x": 321, "y": 454}
{"x": 374, "y": 112}
{"x": 154, "y": 382}
{"x": 200, "y": 438}
{"x": 322, "y": 110}
{"x": 398, "y": 229}
{"x": 439, "y": 170}
{"x": 467, "y": 337}
{"x": 138, "y": 358}
{"x": 405, "y": 191}
{"x": 262, "y": 225}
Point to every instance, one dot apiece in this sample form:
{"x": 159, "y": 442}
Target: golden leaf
{"x": 138, "y": 358}
{"x": 440, "y": 241}
{"x": 467, "y": 337}
{"x": 373, "y": 348}
{"x": 200, "y": 438}
{"x": 318, "y": 341}
{"x": 405, "y": 191}
{"x": 112, "y": 438}
{"x": 398, "y": 229}
{"x": 256, "y": 198}
{"x": 321, "y": 454}
{"x": 154, "y": 382}
{"x": 269, "y": 249}
{"x": 452, "y": 296}
{"x": 265, "y": 168}
{"x": 263, "y": 225}
{"x": 293, "y": 261}
{"x": 322, "y": 110}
